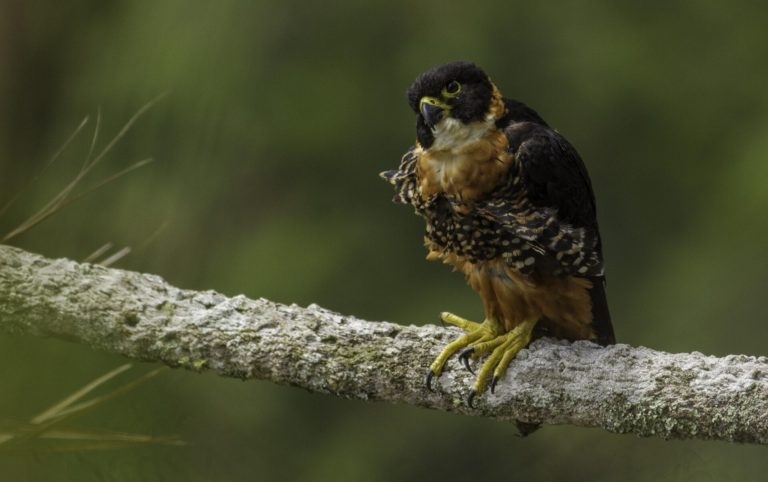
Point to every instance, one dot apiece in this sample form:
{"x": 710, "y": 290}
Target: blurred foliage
{"x": 267, "y": 149}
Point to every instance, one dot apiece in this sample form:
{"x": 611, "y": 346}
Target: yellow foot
{"x": 482, "y": 338}
{"x": 476, "y": 332}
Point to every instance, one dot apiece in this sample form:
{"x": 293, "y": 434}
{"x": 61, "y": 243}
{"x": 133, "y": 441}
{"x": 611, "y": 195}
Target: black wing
{"x": 555, "y": 177}
{"x": 554, "y": 174}
{"x": 548, "y": 202}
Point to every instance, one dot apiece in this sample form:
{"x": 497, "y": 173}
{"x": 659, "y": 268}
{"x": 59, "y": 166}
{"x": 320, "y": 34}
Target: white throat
{"x": 451, "y": 134}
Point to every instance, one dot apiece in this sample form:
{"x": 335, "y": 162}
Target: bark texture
{"x": 621, "y": 388}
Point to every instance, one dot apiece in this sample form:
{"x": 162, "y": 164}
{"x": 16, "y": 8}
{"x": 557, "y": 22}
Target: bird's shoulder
{"x": 549, "y": 168}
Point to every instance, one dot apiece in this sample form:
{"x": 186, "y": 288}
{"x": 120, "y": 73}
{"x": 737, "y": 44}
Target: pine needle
{"x": 103, "y": 249}
{"x": 54, "y": 410}
{"x": 41, "y": 425}
{"x": 109, "y": 261}
{"x": 154, "y": 235}
{"x": 83, "y": 447}
{"x": 94, "y": 138}
{"x": 107, "y": 436}
{"x": 74, "y": 410}
{"x": 63, "y": 198}
{"x": 109, "y": 179}
{"x": 78, "y": 440}
{"x": 50, "y": 162}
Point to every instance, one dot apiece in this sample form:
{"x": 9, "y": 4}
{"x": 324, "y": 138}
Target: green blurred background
{"x": 279, "y": 117}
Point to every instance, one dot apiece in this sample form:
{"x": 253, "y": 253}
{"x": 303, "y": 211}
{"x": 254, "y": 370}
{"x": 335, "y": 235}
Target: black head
{"x": 460, "y": 90}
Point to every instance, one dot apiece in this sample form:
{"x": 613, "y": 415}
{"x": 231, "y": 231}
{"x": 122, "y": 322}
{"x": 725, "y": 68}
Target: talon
{"x": 475, "y": 333}
{"x": 464, "y": 358}
{"x": 471, "y": 398}
{"x": 489, "y": 337}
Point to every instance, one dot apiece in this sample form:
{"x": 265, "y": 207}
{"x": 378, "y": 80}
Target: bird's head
{"x": 450, "y": 100}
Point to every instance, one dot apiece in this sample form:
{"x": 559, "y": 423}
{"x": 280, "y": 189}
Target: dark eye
{"x": 452, "y": 89}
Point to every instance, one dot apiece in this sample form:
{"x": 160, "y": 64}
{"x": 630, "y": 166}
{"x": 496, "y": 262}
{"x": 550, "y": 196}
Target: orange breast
{"x": 468, "y": 173}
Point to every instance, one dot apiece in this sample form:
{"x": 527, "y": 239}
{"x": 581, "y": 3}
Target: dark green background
{"x": 280, "y": 116}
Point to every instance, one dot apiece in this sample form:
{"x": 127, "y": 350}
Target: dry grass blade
{"x": 110, "y": 260}
{"x": 63, "y": 197}
{"x": 54, "y": 204}
{"x": 103, "y": 249}
{"x": 40, "y": 217}
{"x": 106, "y": 439}
{"x": 62, "y": 201}
{"x": 41, "y": 425}
{"x": 108, "y": 436}
{"x": 45, "y": 168}
{"x": 94, "y": 139}
{"x": 83, "y": 447}
{"x": 155, "y": 234}
{"x": 55, "y": 409}
{"x": 73, "y": 410}
{"x": 125, "y": 130}
{"x": 107, "y": 180}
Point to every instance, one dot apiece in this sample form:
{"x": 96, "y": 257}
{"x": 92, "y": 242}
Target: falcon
{"x": 507, "y": 202}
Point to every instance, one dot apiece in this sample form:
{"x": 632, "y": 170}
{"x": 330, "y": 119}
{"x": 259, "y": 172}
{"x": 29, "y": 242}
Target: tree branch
{"x": 620, "y": 388}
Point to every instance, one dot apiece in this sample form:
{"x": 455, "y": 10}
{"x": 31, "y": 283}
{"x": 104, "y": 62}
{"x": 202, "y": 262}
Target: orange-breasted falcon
{"x": 508, "y": 202}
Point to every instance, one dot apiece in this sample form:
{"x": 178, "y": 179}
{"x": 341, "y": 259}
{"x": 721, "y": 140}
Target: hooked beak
{"x": 433, "y": 110}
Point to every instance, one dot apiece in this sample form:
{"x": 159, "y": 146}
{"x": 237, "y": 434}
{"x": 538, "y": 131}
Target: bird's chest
{"x": 465, "y": 173}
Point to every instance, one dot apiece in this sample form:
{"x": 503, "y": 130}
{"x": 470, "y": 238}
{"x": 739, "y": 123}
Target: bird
{"x": 508, "y": 202}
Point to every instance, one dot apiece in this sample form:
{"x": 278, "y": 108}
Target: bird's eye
{"x": 452, "y": 89}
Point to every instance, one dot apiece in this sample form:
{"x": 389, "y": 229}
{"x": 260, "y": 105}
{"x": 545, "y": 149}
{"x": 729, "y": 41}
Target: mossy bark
{"x": 620, "y": 388}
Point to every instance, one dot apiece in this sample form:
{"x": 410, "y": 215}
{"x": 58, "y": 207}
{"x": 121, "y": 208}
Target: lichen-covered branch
{"x": 620, "y": 388}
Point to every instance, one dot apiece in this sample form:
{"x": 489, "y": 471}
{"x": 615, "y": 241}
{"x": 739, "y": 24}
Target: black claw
{"x": 494, "y": 381}
{"x": 471, "y": 398}
{"x": 429, "y": 380}
{"x": 464, "y": 357}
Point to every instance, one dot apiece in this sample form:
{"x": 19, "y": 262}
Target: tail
{"x": 601, "y": 317}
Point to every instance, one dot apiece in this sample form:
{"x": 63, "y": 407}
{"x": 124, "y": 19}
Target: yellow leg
{"x": 522, "y": 339}
{"x": 482, "y": 338}
{"x": 502, "y": 355}
{"x": 476, "y": 333}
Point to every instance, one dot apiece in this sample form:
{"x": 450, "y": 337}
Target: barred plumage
{"x": 503, "y": 223}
